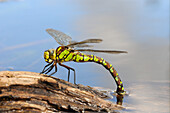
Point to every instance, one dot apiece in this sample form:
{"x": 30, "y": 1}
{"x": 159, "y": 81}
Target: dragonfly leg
{"x": 44, "y": 70}
{"x": 55, "y": 69}
{"x": 69, "y": 72}
{"x": 49, "y": 69}
{"x": 68, "y": 75}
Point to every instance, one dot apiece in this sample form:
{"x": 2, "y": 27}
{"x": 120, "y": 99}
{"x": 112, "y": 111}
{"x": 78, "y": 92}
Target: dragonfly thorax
{"x": 50, "y": 55}
{"x": 64, "y": 54}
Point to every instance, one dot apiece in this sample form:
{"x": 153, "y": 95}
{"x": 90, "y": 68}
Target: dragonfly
{"x": 68, "y": 52}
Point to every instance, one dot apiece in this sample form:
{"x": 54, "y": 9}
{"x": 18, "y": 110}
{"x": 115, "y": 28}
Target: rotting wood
{"x": 33, "y": 92}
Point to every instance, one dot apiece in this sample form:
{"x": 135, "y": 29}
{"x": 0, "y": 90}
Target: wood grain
{"x": 33, "y": 92}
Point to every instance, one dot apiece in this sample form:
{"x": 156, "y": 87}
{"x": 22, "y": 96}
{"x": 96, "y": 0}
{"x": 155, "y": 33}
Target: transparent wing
{"x": 60, "y": 37}
{"x": 83, "y": 43}
{"x": 103, "y": 51}
{"x": 79, "y": 45}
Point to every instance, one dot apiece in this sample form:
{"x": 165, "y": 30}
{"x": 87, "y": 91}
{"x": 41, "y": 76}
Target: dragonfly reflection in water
{"x": 65, "y": 53}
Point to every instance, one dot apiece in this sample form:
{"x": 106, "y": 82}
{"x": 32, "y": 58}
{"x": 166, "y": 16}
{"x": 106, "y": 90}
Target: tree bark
{"x": 33, "y": 92}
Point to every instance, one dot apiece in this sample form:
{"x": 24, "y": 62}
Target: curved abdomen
{"x": 80, "y": 57}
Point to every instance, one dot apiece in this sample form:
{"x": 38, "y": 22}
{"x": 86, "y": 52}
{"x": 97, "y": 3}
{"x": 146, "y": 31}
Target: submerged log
{"x": 34, "y": 92}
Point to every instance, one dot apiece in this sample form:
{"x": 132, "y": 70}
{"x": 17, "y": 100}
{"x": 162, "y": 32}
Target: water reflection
{"x": 140, "y": 27}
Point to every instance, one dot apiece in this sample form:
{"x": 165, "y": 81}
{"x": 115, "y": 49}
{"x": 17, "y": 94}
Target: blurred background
{"x": 140, "y": 27}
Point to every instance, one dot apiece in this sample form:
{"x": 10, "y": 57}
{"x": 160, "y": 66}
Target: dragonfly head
{"x": 50, "y": 55}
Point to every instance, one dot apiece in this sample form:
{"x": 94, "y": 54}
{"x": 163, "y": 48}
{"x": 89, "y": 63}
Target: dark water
{"x": 139, "y": 26}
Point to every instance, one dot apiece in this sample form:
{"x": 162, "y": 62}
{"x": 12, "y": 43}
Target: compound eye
{"x": 46, "y": 55}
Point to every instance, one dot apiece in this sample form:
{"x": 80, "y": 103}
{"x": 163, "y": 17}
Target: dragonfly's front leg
{"x": 55, "y": 64}
{"x": 44, "y": 70}
{"x": 69, "y": 72}
{"x": 49, "y": 69}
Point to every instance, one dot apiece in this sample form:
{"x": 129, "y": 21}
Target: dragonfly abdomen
{"x": 66, "y": 55}
{"x": 80, "y": 57}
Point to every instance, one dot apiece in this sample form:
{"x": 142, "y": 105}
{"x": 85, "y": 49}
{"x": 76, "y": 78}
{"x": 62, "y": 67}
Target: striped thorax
{"x": 61, "y": 54}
